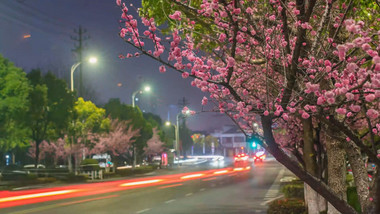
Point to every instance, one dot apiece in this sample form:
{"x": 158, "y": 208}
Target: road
{"x": 228, "y": 190}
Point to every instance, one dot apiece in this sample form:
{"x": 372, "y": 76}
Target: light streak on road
{"x": 238, "y": 169}
{"x": 220, "y": 172}
{"x": 141, "y": 182}
{"x": 37, "y": 195}
{"x": 192, "y": 176}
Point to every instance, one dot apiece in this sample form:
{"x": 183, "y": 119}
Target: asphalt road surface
{"x": 228, "y": 190}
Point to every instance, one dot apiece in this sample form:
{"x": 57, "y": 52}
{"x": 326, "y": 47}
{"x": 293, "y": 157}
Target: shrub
{"x": 352, "y": 198}
{"x": 90, "y": 165}
{"x": 287, "y": 206}
{"x": 72, "y": 178}
{"x": 293, "y": 190}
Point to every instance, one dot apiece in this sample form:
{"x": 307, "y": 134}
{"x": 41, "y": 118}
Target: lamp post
{"x": 146, "y": 89}
{"x": 91, "y": 60}
{"x": 176, "y": 130}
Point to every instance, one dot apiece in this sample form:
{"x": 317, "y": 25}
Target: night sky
{"x": 50, "y": 23}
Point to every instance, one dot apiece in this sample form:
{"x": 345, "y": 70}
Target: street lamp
{"x": 168, "y": 123}
{"x": 146, "y": 89}
{"x": 91, "y": 60}
{"x": 187, "y": 112}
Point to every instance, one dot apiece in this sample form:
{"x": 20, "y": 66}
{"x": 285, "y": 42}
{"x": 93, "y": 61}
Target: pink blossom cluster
{"x": 246, "y": 73}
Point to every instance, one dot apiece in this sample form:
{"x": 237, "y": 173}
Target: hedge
{"x": 287, "y": 206}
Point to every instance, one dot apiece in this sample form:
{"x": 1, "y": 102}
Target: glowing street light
{"x": 91, "y": 60}
{"x": 146, "y": 89}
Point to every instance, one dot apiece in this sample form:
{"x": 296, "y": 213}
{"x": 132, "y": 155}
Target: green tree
{"x": 14, "y": 92}
{"x": 50, "y": 107}
{"x": 87, "y": 119}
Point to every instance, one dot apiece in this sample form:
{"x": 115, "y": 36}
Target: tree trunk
{"x": 336, "y": 168}
{"x": 312, "y": 199}
{"x": 359, "y": 172}
{"x": 38, "y": 142}
{"x": 294, "y": 167}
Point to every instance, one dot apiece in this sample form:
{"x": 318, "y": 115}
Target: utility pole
{"x": 79, "y": 40}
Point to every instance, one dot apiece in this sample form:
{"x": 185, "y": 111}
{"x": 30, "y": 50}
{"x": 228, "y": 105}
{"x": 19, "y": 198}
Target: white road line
{"x": 203, "y": 189}
{"x": 273, "y": 199}
{"x": 170, "y": 201}
{"x": 274, "y": 188}
{"x": 188, "y": 194}
{"x": 142, "y": 211}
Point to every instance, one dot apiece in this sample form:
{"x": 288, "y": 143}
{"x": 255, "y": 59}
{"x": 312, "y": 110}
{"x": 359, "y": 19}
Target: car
{"x": 241, "y": 157}
{"x": 259, "y": 156}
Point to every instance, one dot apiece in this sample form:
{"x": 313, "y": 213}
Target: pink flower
{"x": 162, "y": 69}
{"x": 320, "y": 100}
{"x": 118, "y": 2}
{"x": 376, "y": 59}
{"x": 355, "y": 108}
{"x": 352, "y": 67}
{"x": 185, "y": 75}
{"x": 372, "y": 114}
{"x": 341, "y": 111}
{"x": 185, "y": 110}
{"x": 230, "y": 62}
{"x": 370, "y": 97}
{"x": 204, "y": 101}
{"x": 285, "y": 116}
{"x": 341, "y": 51}
{"x": 350, "y": 96}
{"x": 176, "y": 15}
{"x": 266, "y": 113}
{"x": 222, "y": 37}
{"x": 249, "y": 10}
{"x": 305, "y": 115}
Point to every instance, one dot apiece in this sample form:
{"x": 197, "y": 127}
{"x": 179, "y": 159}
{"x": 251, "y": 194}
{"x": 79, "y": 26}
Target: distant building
{"x": 231, "y": 139}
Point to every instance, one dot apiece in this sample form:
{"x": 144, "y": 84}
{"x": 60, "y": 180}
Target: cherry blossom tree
{"x": 58, "y": 150}
{"x": 154, "y": 145}
{"x": 277, "y": 63}
{"x": 117, "y": 141}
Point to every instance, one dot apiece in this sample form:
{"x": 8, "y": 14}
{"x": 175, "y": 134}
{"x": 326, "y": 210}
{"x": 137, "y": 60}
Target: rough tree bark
{"x": 341, "y": 205}
{"x": 313, "y": 201}
{"x": 336, "y": 168}
{"x": 359, "y": 172}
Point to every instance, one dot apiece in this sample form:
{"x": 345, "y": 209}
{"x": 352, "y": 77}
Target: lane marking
{"x": 169, "y": 186}
{"x": 188, "y": 194}
{"x": 273, "y": 199}
{"x": 37, "y": 195}
{"x": 209, "y": 179}
{"x": 203, "y": 189}
{"x": 142, "y": 211}
{"x": 52, "y": 206}
{"x": 273, "y": 190}
{"x": 87, "y": 200}
{"x": 169, "y": 201}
